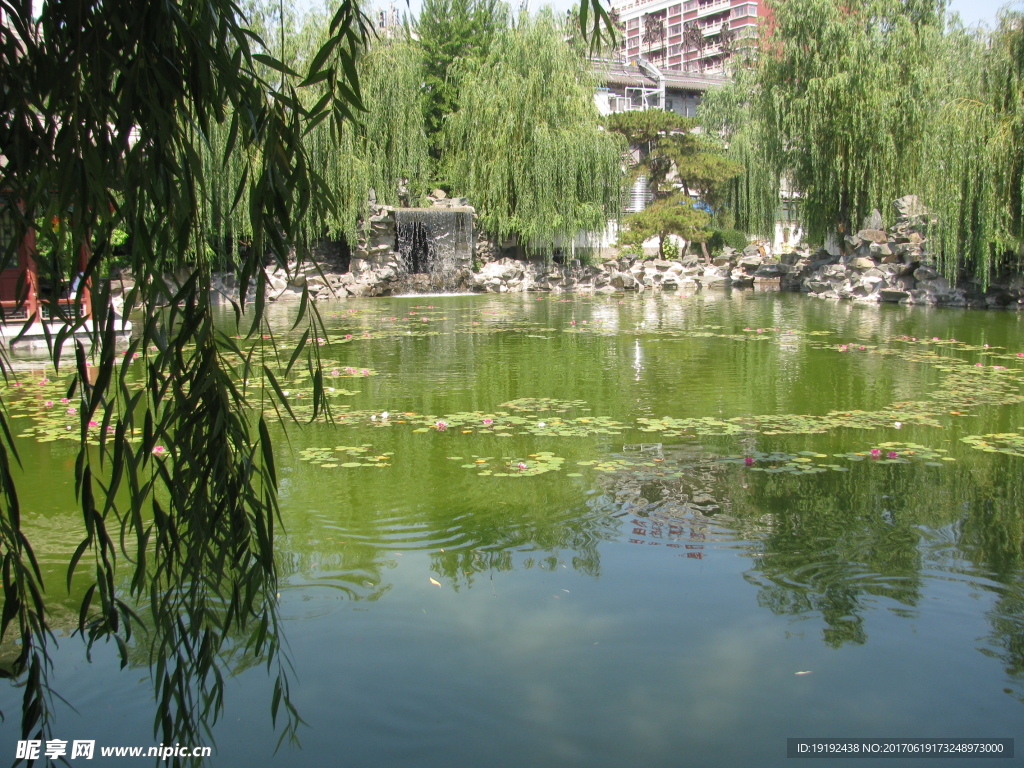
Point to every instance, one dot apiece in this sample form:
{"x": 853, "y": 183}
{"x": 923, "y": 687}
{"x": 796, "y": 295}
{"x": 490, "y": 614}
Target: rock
{"x": 669, "y": 281}
{"x": 769, "y": 270}
{"x": 881, "y": 250}
{"x": 862, "y": 264}
{"x": 713, "y": 274}
{"x": 834, "y": 271}
{"x": 606, "y": 290}
{"x": 909, "y": 207}
{"x": 873, "y": 235}
{"x": 750, "y": 263}
{"x": 893, "y": 296}
{"x": 872, "y": 282}
{"x": 925, "y": 273}
{"x": 752, "y": 250}
{"x": 873, "y": 221}
{"x": 439, "y": 194}
{"x": 938, "y": 285}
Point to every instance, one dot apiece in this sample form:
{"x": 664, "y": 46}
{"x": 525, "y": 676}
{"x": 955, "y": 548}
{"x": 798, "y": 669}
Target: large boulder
{"x": 893, "y": 296}
{"x": 769, "y": 270}
{"x": 873, "y": 235}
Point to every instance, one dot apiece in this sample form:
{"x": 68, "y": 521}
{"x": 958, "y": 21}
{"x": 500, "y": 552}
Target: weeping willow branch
{"x": 183, "y": 487}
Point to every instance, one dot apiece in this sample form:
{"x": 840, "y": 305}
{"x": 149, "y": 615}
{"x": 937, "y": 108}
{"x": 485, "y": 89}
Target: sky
{"x": 971, "y": 11}
{"x": 980, "y": 11}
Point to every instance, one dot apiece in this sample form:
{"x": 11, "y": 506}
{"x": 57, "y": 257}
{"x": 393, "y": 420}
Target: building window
{"x": 675, "y": 30}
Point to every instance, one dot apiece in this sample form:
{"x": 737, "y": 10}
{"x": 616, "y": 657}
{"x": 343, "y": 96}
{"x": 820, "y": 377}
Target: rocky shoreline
{"x": 875, "y": 265}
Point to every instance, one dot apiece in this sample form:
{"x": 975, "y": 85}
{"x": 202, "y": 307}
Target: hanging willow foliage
{"x": 383, "y": 144}
{"x": 839, "y": 105}
{"x": 525, "y": 145}
{"x": 844, "y": 92}
{"x": 975, "y": 181}
{"x": 752, "y": 197}
{"x": 182, "y": 489}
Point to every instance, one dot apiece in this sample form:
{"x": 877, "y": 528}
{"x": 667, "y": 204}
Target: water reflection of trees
{"x": 838, "y": 545}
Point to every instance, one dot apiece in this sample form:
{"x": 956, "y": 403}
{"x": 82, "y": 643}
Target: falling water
{"x": 436, "y": 243}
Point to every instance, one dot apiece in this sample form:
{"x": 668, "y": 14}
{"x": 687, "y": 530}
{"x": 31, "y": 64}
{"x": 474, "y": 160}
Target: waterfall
{"x": 435, "y": 243}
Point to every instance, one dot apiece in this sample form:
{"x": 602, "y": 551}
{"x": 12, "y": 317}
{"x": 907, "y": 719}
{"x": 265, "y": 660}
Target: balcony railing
{"x": 716, "y": 6}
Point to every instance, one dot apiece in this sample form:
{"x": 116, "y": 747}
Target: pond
{"x": 632, "y": 530}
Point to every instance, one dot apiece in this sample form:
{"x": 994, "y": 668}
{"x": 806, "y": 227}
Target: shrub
{"x": 731, "y": 237}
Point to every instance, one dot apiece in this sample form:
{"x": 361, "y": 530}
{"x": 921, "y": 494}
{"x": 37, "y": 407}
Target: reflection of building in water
{"x": 670, "y": 496}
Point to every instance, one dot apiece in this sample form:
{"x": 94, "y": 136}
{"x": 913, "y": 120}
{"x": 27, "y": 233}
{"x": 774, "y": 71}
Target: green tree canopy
{"x": 671, "y": 215}
{"x": 842, "y": 93}
{"x": 525, "y": 145}
{"x": 449, "y": 32}
{"x": 673, "y": 154}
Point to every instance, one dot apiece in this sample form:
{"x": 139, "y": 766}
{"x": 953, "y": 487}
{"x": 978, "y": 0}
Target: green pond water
{"x": 648, "y": 530}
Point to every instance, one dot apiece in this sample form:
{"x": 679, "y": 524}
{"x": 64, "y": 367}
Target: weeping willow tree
{"x": 174, "y": 470}
{"x": 976, "y": 171}
{"x": 387, "y": 142}
{"x": 525, "y": 145}
{"x": 841, "y": 99}
{"x": 751, "y": 197}
{"x": 375, "y": 148}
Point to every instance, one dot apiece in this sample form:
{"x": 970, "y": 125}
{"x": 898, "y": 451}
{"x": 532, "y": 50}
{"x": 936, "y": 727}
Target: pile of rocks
{"x": 877, "y": 265}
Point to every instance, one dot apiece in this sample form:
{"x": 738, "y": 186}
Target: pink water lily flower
{"x": 159, "y": 450}
{"x": 49, "y": 403}
{"x": 441, "y": 426}
{"x": 749, "y": 460}
{"x": 72, "y": 410}
{"x": 488, "y": 422}
{"x": 335, "y": 372}
{"x": 93, "y": 423}
{"x": 521, "y": 466}
{"x": 348, "y": 336}
{"x": 64, "y": 400}
{"x": 893, "y": 455}
{"x": 876, "y": 452}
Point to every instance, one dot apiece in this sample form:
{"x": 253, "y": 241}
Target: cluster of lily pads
{"x": 1011, "y": 443}
{"x": 346, "y": 457}
{"x": 509, "y": 466}
{"x": 805, "y": 462}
